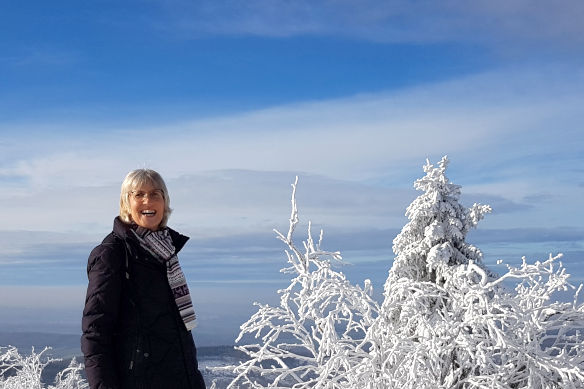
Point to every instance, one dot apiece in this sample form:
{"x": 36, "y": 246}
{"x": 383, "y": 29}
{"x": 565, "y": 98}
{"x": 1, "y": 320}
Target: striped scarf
{"x": 159, "y": 244}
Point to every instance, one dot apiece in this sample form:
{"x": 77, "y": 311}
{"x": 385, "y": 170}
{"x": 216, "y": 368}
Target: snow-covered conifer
{"x": 434, "y": 237}
{"x": 447, "y": 322}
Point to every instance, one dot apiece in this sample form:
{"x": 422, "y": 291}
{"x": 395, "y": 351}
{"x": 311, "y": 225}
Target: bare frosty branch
{"x": 18, "y": 371}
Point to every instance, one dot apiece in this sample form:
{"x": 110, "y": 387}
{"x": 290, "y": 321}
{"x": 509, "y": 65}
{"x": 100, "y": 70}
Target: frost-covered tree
{"x": 24, "y": 372}
{"x": 313, "y": 338}
{"x": 434, "y": 238}
{"x": 446, "y": 321}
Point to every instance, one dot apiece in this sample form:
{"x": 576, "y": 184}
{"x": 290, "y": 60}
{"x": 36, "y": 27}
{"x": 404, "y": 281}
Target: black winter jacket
{"x": 133, "y": 335}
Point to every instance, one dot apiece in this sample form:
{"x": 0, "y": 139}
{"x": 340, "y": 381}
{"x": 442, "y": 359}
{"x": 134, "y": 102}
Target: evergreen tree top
{"x": 436, "y": 231}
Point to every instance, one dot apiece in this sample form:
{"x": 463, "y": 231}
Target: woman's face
{"x": 147, "y": 206}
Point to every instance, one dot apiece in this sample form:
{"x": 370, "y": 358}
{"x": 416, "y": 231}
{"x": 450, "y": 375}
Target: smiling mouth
{"x": 148, "y": 213}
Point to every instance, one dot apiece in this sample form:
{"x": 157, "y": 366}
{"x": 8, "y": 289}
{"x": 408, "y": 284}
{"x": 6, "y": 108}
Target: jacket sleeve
{"x": 100, "y": 316}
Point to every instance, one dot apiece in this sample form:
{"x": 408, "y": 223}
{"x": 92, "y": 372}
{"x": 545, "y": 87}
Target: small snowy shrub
{"x": 313, "y": 338}
{"x": 446, "y": 321}
{"x": 20, "y": 372}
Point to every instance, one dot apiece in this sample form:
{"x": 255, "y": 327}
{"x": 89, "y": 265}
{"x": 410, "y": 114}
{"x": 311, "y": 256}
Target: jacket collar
{"x": 122, "y": 230}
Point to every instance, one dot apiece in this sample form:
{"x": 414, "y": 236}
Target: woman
{"x": 138, "y": 312}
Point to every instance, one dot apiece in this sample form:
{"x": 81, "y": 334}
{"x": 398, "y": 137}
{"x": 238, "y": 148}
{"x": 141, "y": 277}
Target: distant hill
{"x": 62, "y": 345}
{"x": 68, "y": 345}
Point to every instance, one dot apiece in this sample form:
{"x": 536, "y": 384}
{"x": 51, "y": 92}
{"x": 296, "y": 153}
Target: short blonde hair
{"x": 136, "y": 179}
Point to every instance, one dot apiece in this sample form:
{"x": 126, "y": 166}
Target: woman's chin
{"x": 149, "y": 224}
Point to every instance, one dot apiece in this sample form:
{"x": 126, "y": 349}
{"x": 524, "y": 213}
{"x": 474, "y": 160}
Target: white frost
{"x": 446, "y": 321}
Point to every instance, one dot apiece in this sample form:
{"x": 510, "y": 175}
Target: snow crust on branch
{"x": 315, "y": 337}
{"x": 446, "y": 320}
{"x": 19, "y": 372}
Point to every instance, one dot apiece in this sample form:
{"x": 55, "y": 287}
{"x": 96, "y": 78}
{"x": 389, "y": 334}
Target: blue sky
{"x": 231, "y": 100}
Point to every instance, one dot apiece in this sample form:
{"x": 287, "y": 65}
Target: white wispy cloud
{"x": 488, "y": 124}
{"x": 498, "y": 22}
{"x": 353, "y": 138}
{"x": 40, "y": 56}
